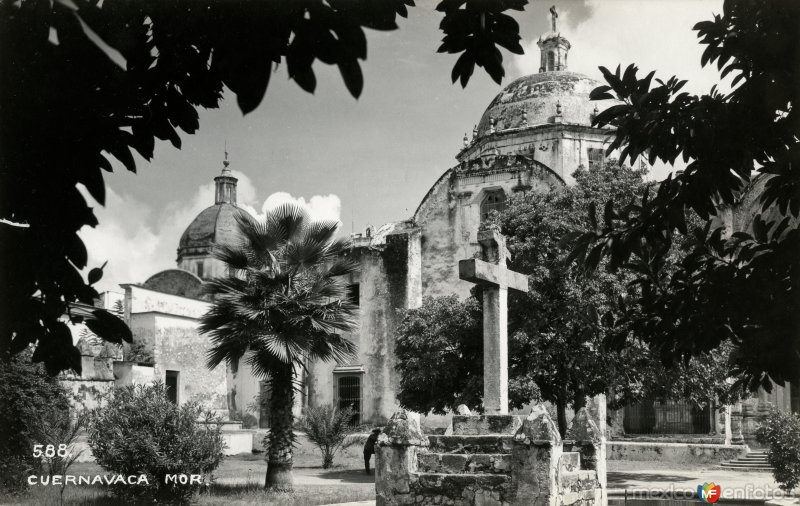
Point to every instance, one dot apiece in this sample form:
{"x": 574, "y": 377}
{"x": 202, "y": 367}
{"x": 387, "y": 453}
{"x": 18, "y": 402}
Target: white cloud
{"x": 319, "y": 207}
{"x": 135, "y": 249}
{"x": 655, "y": 35}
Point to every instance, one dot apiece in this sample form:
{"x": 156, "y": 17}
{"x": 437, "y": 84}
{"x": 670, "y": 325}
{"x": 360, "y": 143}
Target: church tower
{"x": 553, "y": 47}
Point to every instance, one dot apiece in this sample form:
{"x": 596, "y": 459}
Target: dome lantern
{"x": 553, "y": 47}
{"x": 226, "y": 185}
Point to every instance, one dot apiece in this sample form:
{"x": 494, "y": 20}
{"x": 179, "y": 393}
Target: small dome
{"x": 539, "y": 96}
{"x": 214, "y": 225}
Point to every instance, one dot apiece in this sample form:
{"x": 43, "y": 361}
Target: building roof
{"x": 539, "y": 96}
{"x": 214, "y": 225}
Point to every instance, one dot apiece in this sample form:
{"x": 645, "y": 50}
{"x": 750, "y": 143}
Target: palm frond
{"x": 338, "y": 248}
{"x": 256, "y": 241}
{"x": 342, "y": 266}
{"x": 223, "y": 286}
{"x": 234, "y": 256}
{"x": 285, "y": 222}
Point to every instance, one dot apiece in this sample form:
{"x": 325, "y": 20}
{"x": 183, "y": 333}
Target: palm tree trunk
{"x": 281, "y": 436}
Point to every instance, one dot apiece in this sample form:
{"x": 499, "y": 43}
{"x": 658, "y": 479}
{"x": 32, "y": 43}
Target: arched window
{"x": 551, "y": 61}
{"x": 495, "y": 200}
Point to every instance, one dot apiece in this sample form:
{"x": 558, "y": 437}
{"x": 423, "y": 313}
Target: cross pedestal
{"x": 491, "y": 272}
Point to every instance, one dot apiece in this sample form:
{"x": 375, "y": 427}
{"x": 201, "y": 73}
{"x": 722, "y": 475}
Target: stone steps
{"x": 753, "y": 461}
{"x": 464, "y": 463}
{"x": 491, "y": 444}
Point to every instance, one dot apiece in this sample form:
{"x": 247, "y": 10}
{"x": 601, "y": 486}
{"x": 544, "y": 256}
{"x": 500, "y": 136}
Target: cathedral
{"x": 531, "y": 137}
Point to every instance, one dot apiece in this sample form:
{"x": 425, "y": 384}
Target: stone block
{"x": 538, "y": 428}
{"x": 583, "y": 429}
{"x": 238, "y": 442}
{"x": 462, "y": 486}
{"x": 471, "y": 444}
{"x": 459, "y": 463}
{"x": 570, "y": 461}
{"x": 403, "y": 429}
{"x": 486, "y": 424}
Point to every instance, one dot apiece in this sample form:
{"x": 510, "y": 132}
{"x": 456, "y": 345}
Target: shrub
{"x": 248, "y": 421}
{"x": 140, "y": 431}
{"x": 31, "y": 401}
{"x": 327, "y": 426}
{"x": 780, "y": 432}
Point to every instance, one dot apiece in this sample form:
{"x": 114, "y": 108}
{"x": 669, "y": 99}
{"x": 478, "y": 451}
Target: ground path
{"x": 638, "y": 478}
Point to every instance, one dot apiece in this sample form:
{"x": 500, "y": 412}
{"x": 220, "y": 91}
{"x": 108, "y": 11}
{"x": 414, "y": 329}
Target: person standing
{"x": 369, "y": 448}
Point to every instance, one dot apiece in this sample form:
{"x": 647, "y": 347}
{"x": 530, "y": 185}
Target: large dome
{"x": 214, "y": 225}
{"x": 539, "y": 96}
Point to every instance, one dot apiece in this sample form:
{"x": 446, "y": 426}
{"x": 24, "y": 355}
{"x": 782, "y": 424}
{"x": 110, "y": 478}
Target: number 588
{"x": 50, "y": 451}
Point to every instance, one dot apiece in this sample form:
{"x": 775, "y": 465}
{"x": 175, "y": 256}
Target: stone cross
{"x": 554, "y": 17}
{"x": 491, "y": 272}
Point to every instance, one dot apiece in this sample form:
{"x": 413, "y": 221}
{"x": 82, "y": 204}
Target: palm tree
{"x": 283, "y": 304}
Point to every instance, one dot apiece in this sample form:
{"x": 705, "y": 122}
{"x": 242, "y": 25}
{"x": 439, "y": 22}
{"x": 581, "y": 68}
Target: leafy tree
{"x": 557, "y": 322}
{"x": 284, "y": 304}
{"x": 85, "y": 82}
{"x": 780, "y": 432}
{"x": 327, "y": 427}
{"x": 741, "y": 288}
{"x": 565, "y": 332}
{"x": 34, "y": 405}
{"x": 439, "y": 350}
{"x": 140, "y": 431}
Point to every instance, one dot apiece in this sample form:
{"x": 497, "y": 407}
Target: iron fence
{"x": 666, "y": 417}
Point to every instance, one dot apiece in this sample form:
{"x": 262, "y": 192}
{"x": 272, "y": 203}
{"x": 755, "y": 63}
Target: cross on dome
{"x": 553, "y": 47}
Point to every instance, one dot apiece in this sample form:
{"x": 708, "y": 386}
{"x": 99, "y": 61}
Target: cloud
{"x": 319, "y": 207}
{"x": 654, "y": 35}
{"x": 137, "y": 245}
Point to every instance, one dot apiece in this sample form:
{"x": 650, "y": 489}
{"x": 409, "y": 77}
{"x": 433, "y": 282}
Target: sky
{"x": 368, "y": 161}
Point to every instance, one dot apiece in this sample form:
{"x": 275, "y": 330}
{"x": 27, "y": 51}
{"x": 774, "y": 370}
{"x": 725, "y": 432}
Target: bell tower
{"x": 226, "y": 185}
{"x": 553, "y": 47}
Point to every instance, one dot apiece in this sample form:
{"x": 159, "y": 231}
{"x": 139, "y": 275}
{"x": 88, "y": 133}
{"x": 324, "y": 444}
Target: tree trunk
{"x": 579, "y": 402}
{"x": 281, "y": 436}
{"x": 561, "y": 410}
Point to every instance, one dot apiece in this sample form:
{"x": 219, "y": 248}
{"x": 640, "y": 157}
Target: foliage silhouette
{"x": 743, "y": 287}
{"x": 85, "y": 82}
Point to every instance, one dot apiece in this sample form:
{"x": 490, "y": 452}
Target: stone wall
{"x": 180, "y": 347}
{"x": 131, "y": 373}
{"x": 168, "y": 325}
{"x": 389, "y": 280}
{"x": 684, "y": 454}
{"x": 499, "y": 460}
